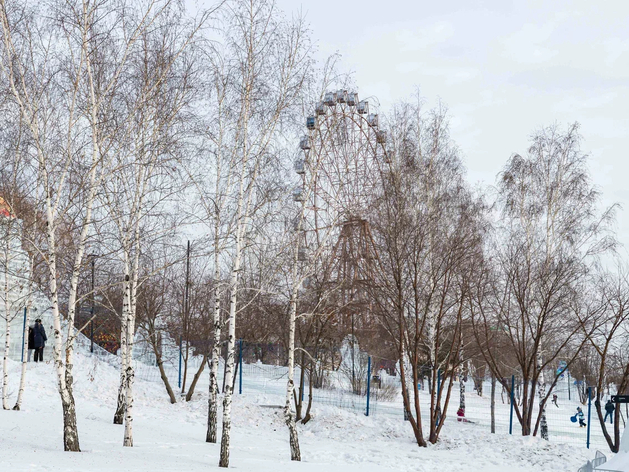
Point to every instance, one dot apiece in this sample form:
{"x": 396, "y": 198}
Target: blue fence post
{"x": 589, "y": 415}
{"x": 23, "y": 334}
{"x": 569, "y": 385}
{"x": 511, "y": 412}
{"x": 368, "y": 383}
{"x": 179, "y": 382}
{"x": 240, "y": 367}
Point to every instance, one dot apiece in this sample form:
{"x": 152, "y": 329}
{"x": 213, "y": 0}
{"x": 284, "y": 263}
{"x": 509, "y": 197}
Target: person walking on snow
{"x": 39, "y": 340}
{"x": 555, "y": 400}
{"x": 609, "y": 411}
{"x": 581, "y": 417}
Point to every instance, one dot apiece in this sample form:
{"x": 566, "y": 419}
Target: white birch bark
{"x": 129, "y": 374}
{"x": 8, "y": 317}
{"x": 231, "y": 342}
{"x": 216, "y": 352}
{"x": 461, "y": 389}
{"x": 20, "y": 394}
{"x": 215, "y": 209}
{"x": 120, "y": 403}
{"x": 289, "y": 417}
{"x": 5, "y": 364}
{"x": 542, "y": 403}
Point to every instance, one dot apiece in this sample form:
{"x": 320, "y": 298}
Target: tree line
{"x": 129, "y": 127}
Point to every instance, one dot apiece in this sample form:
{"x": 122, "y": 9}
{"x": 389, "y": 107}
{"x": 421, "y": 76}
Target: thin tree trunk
{"x": 542, "y": 402}
{"x": 7, "y": 329}
{"x": 70, "y": 430}
{"x": 295, "y": 454}
{"x": 461, "y": 390}
{"x": 27, "y": 321}
{"x": 212, "y": 416}
{"x": 130, "y": 374}
{"x": 5, "y": 365}
{"x": 20, "y": 395}
{"x": 120, "y": 404}
{"x": 160, "y": 364}
{"x": 5, "y": 360}
{"x": 196, "y": 378}
{"x": 307, "y": 415}
{"x": 231, "y": 342}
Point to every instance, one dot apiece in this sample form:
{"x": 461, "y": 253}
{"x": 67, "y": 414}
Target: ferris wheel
{"x": 343, "y": 154}
{"x": 343, "y": 157}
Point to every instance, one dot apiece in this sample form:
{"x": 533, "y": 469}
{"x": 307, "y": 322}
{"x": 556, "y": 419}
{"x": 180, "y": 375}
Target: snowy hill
{"x": 171, "y": 437}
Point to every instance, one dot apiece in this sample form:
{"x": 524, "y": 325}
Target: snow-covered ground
{"x": 171, "y": 437}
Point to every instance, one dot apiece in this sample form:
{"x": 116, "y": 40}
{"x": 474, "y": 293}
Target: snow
{"x": 171, "y": 437}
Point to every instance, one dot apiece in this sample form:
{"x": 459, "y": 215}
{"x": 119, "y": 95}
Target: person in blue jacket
{"x": 581, "y": 417}
{"x": 39, "y": 340}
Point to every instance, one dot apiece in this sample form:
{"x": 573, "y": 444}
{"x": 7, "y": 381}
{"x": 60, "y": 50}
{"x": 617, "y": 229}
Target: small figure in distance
{"x": 555, "y": 400}
{"x": 39, "y": 340}
{"x": 609, "y": 411}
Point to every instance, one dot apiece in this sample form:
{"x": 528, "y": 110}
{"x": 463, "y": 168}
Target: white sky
{"x": 503, "y": 69}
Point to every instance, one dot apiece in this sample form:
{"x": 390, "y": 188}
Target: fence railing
{"x": 382, "y": 397}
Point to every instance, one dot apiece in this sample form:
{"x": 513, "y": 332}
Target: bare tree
{"x": 532, "y": 297}
{"x": 429, "y": 233}
{"x": 609, "y": 340}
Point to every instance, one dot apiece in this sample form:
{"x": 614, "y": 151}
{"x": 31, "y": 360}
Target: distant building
{"x": 14, "y": 286}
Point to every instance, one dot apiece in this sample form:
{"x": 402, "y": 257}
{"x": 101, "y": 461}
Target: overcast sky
{"x": 503, "y": 69}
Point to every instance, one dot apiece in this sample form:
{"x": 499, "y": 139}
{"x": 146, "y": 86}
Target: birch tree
{"x": 66, "y": 99}
{"x": 257, "y": 73}
{"x": 609, "y": 340}
{"x": 147, "y": 181}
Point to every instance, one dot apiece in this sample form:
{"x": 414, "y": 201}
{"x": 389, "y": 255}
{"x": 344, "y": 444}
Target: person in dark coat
{"x": 609, "y": 411}
{"x": 31, "y": 342}
{"x": 39, "y": 340}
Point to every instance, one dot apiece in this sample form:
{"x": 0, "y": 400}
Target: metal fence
{"x": 560, "y": 412}
{"x": 381, "y": 394}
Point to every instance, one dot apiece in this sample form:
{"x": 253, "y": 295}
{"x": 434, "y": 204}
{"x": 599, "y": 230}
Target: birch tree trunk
{"x": 542, "y": 402}
{"x": 120, "y": 405}
{"x": 212, "y": 416}
{"x": 462, "y": 388}
{"x": 289, "y": 418}
{"x": 129, "y": 373}
{"x": 5, "y": 359}
{"x": 7, "y": 319}
{"x": 70, "y": 430}
{"x": 231, "y": 342}
{"x": 20, "y": 394}
{"x": 131, "y": 291}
